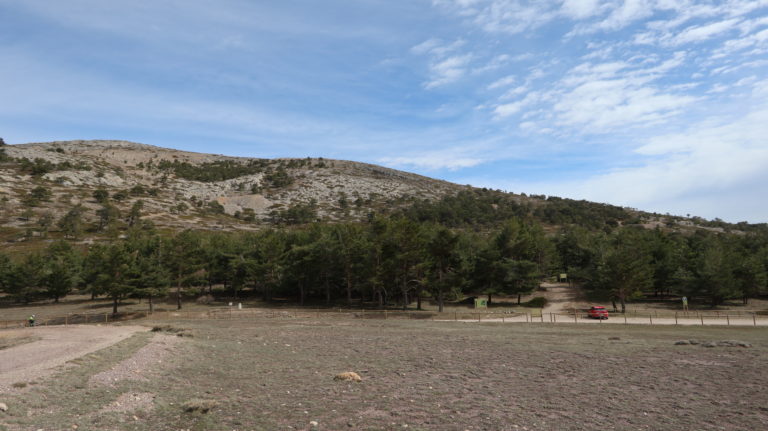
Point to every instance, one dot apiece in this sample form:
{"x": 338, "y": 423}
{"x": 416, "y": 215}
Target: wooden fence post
{"x": 675, "y": 318}
{"x": 702, "y": 319}
{"x": 728, "y": 319}
{"x": 625, "y": 319}
{"x": 650, "y": 317}
{"x": 754, "y": 319}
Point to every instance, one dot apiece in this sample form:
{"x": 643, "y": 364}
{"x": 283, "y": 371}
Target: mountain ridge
{"x": 190, "y": 190}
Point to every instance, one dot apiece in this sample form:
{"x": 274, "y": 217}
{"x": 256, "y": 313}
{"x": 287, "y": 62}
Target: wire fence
{"x": 650, "y": 317}
{"x": 73, "y": 319}
{"x": 538, "y": 316}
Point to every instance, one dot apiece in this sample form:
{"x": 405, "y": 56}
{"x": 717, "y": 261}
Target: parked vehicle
{"x": 598, "y": 312}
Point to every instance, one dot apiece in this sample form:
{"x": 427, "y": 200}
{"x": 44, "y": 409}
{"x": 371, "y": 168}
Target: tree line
{"x": 396, "y": 260}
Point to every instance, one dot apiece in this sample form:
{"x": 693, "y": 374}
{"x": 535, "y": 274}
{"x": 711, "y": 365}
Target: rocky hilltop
{"x": 180, "y": 189}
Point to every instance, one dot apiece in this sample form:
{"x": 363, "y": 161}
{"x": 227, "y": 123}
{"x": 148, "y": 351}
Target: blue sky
{"x": 660, "y": 105}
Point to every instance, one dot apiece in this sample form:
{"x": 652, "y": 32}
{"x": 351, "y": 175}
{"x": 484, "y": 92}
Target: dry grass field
{"x": 278, "y": 374}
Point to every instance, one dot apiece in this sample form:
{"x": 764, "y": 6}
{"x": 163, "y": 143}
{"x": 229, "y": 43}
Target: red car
{"x": 598, "y": 313}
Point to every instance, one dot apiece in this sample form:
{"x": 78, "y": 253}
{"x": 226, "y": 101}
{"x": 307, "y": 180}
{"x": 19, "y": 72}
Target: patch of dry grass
{"x": 274, "y": 374}
{"x": 197, "y": 405}
{"x": 8, "y": 340}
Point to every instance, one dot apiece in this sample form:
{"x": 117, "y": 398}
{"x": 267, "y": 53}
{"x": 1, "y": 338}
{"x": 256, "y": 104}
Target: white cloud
{"x": 451, "y": 159}
{"x": 758, "y": 39}
{"x": 495, "y": 63}
{"x": 437, "y": 48}
{"x": 604, "y": 105}
{"x": 579, "y": 9}
{"x": 503, "y": 16}
{"x": 446, "y": 65}
{"x": 714, "y": 168}
{"x": 448, "y": 70}
{"x": 503, "y": 82}
{"x": 507, "y": 109}
{"x": 703, "y": 32}
{"x": 602, "y": 97}
{"x": 629, "y": 12}
{"x": 708, "y": 158}
{"x": 426, "y": 46}
{"x": 512, "y": 92}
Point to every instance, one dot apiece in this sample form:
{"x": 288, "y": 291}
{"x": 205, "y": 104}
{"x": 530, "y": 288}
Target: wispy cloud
{"x": 444, "y": 159}
{"x": 641, "y": 98}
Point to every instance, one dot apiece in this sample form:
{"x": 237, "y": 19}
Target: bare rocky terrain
{"x": 339, "y": 190}
{"x": 278, "y": 374}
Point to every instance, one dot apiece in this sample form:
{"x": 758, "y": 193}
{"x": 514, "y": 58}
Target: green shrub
{"x": 537, "y": 302}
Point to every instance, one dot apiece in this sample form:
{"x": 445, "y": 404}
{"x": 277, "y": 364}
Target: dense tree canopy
{"x": 394, "y": 260}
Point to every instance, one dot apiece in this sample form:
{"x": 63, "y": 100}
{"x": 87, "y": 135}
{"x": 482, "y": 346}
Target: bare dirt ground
{"x": 561, "y": 297}
{"x": 137, "y": 366}
{"x": 278, "y": 374}
{"x": 54, "y": 346}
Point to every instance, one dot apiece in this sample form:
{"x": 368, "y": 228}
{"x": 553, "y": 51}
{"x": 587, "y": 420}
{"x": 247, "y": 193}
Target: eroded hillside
{"x": 41, "y": 182}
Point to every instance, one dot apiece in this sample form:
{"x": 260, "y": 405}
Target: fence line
{"x": 471, "y": 316}
{"x": 573, "y": 317}
{"x": 73, "y": 319}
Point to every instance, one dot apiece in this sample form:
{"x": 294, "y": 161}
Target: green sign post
{"x": 481, "y": 303}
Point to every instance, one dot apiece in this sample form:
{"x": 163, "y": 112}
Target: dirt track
{"x": 560, "y": 297}
{"x": 54, "y": 347}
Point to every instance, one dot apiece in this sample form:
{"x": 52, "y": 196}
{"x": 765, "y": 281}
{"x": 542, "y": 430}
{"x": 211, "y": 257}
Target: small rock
{"x": 349, "y": 376}
{"x": 682, "y": 343}
{"x": 733, "y": 343}
{"x": 3, "y": 407}
{"x": 694, "y": 342}
{"x": 710, "y": 344}
{"x": 314, "y": 426}
{"x": 614, "y": 338}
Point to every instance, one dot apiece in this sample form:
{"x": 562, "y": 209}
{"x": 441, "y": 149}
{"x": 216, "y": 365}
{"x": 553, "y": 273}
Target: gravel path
{"x": 56, "y": 346}
{"x": 148, "y": 357}
{"x": 560, "y": 297}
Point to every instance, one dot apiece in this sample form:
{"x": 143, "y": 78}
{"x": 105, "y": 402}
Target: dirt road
{"x": 560, "y": 297}
{"x": 54, "y": 346}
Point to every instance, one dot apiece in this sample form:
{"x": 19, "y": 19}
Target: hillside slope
{"x": 107, "y": 186}
{"x": 179, "y": 188}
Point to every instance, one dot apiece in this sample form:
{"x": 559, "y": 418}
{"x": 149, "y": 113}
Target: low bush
{"x": 537, "y": 302}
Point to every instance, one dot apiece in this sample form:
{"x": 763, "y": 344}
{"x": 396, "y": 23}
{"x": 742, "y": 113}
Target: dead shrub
{"x": 205, "y": 300}
{"x": 180, "y": 332}
{"x": 199, "y": 405}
